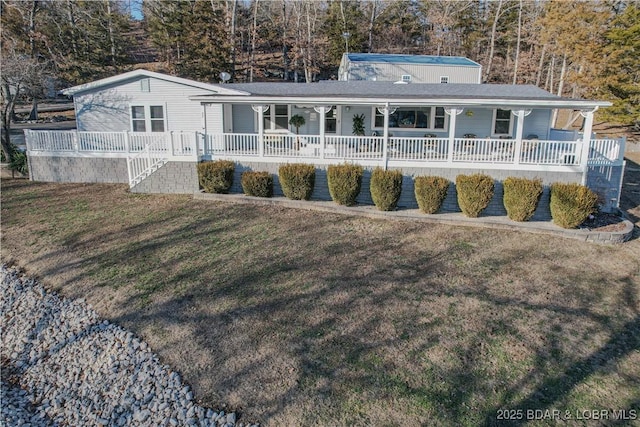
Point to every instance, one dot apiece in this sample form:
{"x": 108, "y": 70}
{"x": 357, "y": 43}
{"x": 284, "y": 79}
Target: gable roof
{"x": 412, "y": 59}
{"x": 221, "y": 89}
{"x": 373, "y": 92}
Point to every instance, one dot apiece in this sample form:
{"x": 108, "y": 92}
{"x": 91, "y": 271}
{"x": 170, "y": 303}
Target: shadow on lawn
{"x": 285, "y": 319}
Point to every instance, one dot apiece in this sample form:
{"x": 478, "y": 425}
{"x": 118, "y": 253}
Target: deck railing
{"x": 489, "y": 153}
{"x": 483, "y": 150}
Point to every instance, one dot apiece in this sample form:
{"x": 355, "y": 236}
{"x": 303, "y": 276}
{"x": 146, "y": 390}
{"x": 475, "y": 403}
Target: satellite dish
{"x": 225, "y": 77}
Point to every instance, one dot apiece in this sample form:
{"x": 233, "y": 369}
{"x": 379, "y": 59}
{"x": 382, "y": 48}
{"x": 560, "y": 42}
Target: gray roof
{"x": 374, "y": 89}
{"x": 362, "y": 92}
{"x": 412, "y": 59}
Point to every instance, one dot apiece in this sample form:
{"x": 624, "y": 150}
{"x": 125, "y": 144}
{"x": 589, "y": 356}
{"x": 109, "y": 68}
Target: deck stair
{"x": 145, "y": 163}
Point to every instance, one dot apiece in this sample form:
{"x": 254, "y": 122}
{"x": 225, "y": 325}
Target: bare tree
{"x": 21, "y": 76}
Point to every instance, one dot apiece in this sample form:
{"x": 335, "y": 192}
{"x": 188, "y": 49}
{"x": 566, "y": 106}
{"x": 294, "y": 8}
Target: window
{"x": 147, "y": 118}
{"x": 157, "y": 118}
{"x": 406, "y": 78}
{"x": 439, "y": 118}
{"x": 137, "y": 119}
{"x": 415, "y": 118}
{"x": 145, "y": 85}
{"x": 502, "y": 124}
{"x": 277, "y": 117}
{"x": 444, "y": 79}
{"x": 331, "y": 121}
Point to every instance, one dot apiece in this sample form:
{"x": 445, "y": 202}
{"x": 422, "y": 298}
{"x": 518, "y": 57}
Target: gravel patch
{"x": 63, "y": 365}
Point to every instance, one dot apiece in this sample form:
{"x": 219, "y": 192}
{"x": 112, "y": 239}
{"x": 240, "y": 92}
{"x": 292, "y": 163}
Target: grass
{"x": 301, "y": 318}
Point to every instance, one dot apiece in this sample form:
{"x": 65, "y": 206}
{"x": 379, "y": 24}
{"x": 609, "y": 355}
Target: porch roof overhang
{"x": 413, "y": 94}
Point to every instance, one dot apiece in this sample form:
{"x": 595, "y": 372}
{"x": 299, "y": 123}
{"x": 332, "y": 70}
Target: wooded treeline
{"x": 582, "y": 49}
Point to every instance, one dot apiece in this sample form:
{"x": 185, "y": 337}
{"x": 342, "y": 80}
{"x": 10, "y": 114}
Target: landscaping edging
{"x": 494, "y": 222}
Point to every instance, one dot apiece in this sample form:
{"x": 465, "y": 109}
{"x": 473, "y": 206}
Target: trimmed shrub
{"x": 258, "y": 184}
{"x": 474, "y": 193}
{"x": 430, "y": 192}
{"x": 297, "y": 180}
{"x": 216, "y": 177}
{"x": 385, "y": 187}
{"x": 521, "y": 197}
{"x": 571, "y": 204}
{"x": 344, "y": 183}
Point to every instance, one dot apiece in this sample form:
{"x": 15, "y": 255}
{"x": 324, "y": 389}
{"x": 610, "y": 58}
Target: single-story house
{"x": 151, "y": 129}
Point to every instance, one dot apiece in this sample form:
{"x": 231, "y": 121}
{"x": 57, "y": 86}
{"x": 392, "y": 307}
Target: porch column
{"x": 520, "y": 114}
{"x": 386, "y": 110}
{"x": 323, "y": 110}
{"x": 453, "y": 114}
{"x": 586, "y": 142}
{"x": 260, "y": 109}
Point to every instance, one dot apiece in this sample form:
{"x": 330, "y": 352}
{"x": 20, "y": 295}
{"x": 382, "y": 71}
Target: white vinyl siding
{"x": 107, "y": 109}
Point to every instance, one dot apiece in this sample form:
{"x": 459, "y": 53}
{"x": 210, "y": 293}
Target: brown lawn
{"x": 302, "y": 318}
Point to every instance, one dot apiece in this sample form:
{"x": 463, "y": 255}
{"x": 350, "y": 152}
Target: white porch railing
{"x": 483, "y": 150}
{"x": 536, "y": 152}
{"x": 146, "y": 151}
{"x": 423, "y": 149}
{"x": 353, "y": 147}
{"x": 605, "y": 152}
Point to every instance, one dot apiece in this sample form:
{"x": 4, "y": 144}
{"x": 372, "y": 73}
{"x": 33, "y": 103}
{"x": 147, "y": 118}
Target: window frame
{"x": 495, "y": 119}
{"x": 270, "y": 115}
{"x": 148, "y": 120}
{"x": 335, "y": 110}
{"x": 431, "y": 115}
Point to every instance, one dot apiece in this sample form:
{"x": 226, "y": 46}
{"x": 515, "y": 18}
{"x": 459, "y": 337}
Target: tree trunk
{"x": 540, "y": 65}
{"x": 7, "y": 112}
{"x": 112, "y": 40}
{"x": 563, "y": 71}
{"x": 515, "y": 65}
{"x": 372, "y": 19}
{"x": 254, "y": 34}
{"x": 32, "y": 28}
{"x": 492, "y": 44}
{"x": 72, "y": 24}
{"x": 285, "y": 61}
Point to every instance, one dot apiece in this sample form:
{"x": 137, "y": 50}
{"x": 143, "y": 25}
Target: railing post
{"x": 171, "y": 143}
{"x": 260, "y": 109}
{"x": 196, "y": 143}
{"x": 149, "y": 163}
{"x": 453, "y": 114}
{"x": 520, "y": 114}
{"x": 323, "y": 110}
{"x": 129, "y": 172}
{"x": 76, "y": 141}
{"x": 26, "y": 139}
{"x": 386, "y": 110}
{"x": 127, "y": 146}
{"x": 586, "y": 143}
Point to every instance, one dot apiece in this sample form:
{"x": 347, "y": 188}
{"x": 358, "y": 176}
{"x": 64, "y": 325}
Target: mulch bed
{"x": 602, "y": 221}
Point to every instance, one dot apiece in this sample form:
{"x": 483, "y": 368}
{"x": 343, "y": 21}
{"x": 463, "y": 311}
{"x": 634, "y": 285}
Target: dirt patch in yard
{"x": 304, "y": 318}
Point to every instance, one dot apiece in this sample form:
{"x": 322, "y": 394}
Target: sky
{"x": 135, "y": 7}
